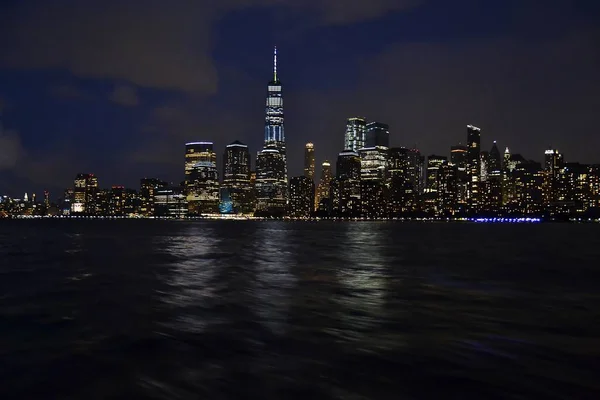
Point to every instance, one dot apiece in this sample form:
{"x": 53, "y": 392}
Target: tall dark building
{"x": 356, "y": 131}
{"x": 322, "y": 193}
{"x": 553, "y": 163}
{"x": 236, "y": 191}
{"x": 458, "y": 158}
{"x": 447, "y": 189}
{"x": 147, "y": 188}
{"x": 345, "y": 187}
{"x": 431, "y": 200}
{"x": 378, "y": 134}
{"x": 405, "y": 179}
{"x": 302, "y": 197}
{"x": 493, "y": 194}
{"x": 474, "y": 168}
{"x": 271, "y": 164}
{"x": 202, "y": 178}
{"x": 309, "y": 161}
{"x": 270, "y": 180}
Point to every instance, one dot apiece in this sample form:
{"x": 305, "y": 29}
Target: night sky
{"x": 117, "y": 87}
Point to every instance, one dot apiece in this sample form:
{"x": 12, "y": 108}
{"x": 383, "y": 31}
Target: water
{"x": 285, "y": 310}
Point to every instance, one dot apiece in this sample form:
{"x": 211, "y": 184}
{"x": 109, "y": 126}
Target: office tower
{"x": 378, "y": 134}
{"x": 458, "y": 157}
{"x": 447, "y": 189}
{"x": 170, "y": 202}
{"x": 373, "y": 179}
{"x": 356, "y": 130}
{"x": 147, "y": 188}
{"x": 553, "y": 163}
{"x": 103, "y": 202}
{"x": 302, "y": 197}
{"x": 117, "y": 201}
{"x": 202, "y": 178}
{"x": 309, "y": 161}
{"x": 494, "y": 194}
{"x": 84, "y": 194}
{"x": 430, "y": 200}
{"x": 594, "y": 184}
{"x": 473, "y": 168}
{"x": 526, "y": 189}
{"x": 483, "y": 170}
{"x": 322, "y": 192}
{"x": 67, "y": 201}
{"x": 507, "y": 181}
{"x": 271, "y": 164}
{"x": 405, "y": 180}
{"x": 271, "y": 194}
{"x": 46, "y": 199}
{"x": 236, "y": 191}
{"x": 345, "y": 187}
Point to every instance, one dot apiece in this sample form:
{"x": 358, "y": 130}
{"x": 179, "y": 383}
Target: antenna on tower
{"x": 275, "y": 64}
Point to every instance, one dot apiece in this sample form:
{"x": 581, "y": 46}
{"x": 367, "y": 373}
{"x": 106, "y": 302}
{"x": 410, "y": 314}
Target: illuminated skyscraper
{"x": 302, "y": 196}
{"x": 345, "y": 187}
{"x": 458, "y": 158}
{"x": 373, "y": 180}
{"x": 309, "y": 161}
{"x": 553, "y": 163}
{"x": 494, "y": 183}
{"x": 271, "y": 187}
{"x": 447, "y": 190}
{"x": 322, "y": 194}
{"x": 356, "y": 130}
{"x": 377, "y": 134}
{"x": 474, "y": 167}
{"x": 202, "y": 178}
{"x": 85, "y": 194}
{"x": 271, "y": 163}
{"x": 236, "y": 187}
{"x": 431, "y": 201}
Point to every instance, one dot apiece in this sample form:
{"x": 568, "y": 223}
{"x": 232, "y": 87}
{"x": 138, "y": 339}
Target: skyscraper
{"x": 302, "y": 196}
{"x": 493, "y": 193}
{"x": 458, "y": 158}
{"x": 345, "y": 187}
{"x": 473, "y": 167}
{"x": 271, "y": 163}
{"x": 202, "y": 178}
{"x": 236, "y": 186}
{"x": 373, "y": 179}
{"x": 378, "y": 134}
{"x": 432, "y": 181}
{"x": 322, "y": 194}
{"x": 356, "y": 129}
{"x": 85, "y": 194}
{"x": 309, "y": 161}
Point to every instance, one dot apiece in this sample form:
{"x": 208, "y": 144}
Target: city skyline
{"x": 524, "y": 74}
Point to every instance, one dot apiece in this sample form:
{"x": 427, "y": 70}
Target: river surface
{"x": 298, "y": 310}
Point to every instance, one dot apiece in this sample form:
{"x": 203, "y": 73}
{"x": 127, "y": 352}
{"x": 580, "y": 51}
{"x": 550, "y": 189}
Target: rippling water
{"x": 285, "y": 310}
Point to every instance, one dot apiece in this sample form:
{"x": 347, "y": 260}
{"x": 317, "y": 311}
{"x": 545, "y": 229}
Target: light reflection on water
{"x": 140, "y": 309}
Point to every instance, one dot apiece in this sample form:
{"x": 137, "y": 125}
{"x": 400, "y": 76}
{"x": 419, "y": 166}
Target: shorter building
{"x": 302, "y": 197}
{"x": 147, "y": 188}
{"x": 170, "y": 202}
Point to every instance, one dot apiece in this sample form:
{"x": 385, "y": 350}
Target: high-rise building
{"x": 236, "y": 191}
{"x": 378, "y": 134}
{"x": 458, "y": 158}
{"x": 309, "y": 161}
{"x": 345, "y": 187}
{"x": 474, "y": 167}
{"x": 373, "y": 180}
{"x": 493, "y": 193}
{"x": 405, "y": 180}
{"x": 322, "y": 193}
{"x": 85, "y": 194}
{"x": 553, "y": 163}
{"x": 270, "y": 185}
{"x": 202, "y": 178}
{"x": 271, "y": 164}
{"x": 431, "y": 196}
{"x": 302, "y": 196}
{"x": 447, "y": 189}
{"x": 355, "y": 137}
{"x": 147, "y": 188}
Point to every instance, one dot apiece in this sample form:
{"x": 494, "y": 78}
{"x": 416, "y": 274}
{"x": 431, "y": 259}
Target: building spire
{"x": 275, "y": 64}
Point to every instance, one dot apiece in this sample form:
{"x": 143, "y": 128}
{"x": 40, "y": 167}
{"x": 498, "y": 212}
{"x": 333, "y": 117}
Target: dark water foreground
{"x": 284, "y": 310}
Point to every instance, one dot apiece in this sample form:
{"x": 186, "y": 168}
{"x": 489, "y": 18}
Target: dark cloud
{"x": 152, "y": 43}
{"x": 67, "y": 91}
{"x": 10, "y": 148}
{"x": 125, "y": 96}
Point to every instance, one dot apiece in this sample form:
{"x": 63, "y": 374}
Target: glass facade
{"x": 356, "y": 130}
